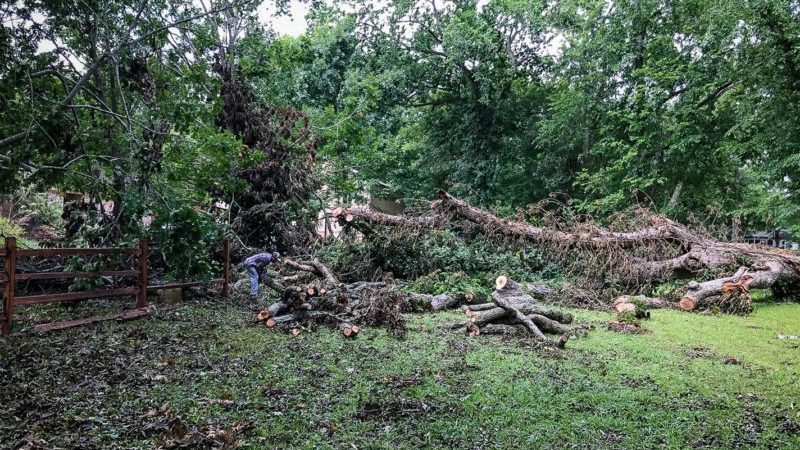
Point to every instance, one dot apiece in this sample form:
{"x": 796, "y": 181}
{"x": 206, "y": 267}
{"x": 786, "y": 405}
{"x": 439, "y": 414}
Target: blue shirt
{"x": 258, "y": 260}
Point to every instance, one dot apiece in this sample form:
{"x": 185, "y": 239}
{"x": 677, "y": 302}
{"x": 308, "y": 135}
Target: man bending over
{"x": 255, "y": 267}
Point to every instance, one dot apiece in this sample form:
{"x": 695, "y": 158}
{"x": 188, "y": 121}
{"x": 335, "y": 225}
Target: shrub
{"x": 186, "y": 238}
{"x": 10, "y": 229}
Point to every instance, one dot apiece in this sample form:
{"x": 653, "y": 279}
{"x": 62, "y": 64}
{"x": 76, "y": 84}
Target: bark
{"x": 481, "y": 317}
{"x": 674, "y": 251}
{"x": 504, "y": 329}
{"x": 437, "y": 302}
{"x": 548, "y": 325}
{"x": 478, "y": 307}
{"x": 504, "y": 301}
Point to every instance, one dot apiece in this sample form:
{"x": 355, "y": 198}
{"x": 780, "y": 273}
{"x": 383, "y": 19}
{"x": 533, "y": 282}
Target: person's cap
{"x": 276, "y": 255}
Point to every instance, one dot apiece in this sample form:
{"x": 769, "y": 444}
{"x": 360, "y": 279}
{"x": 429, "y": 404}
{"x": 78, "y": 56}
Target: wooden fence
{"x": 10, "y": 277}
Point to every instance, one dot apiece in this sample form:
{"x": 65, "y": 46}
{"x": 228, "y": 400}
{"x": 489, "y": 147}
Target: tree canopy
{"x": 688, "y": 107}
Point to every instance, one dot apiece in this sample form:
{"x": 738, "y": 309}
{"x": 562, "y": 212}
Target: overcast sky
{"x": 292, "y": 25}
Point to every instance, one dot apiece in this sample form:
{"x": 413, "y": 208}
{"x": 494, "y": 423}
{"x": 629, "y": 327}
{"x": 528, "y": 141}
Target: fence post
{"x": 226, "y": 250}
{"x": 141, "y": 297}
{"x": 11, "y": 269}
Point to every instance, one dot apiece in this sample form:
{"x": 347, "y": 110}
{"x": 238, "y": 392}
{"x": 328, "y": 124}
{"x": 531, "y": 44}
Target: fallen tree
{"x": 658, "y": 250}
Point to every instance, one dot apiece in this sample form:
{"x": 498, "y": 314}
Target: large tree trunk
{"x": 660, "y": 251}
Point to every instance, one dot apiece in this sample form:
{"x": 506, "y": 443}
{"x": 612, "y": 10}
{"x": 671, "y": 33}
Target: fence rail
{"x": 10, "y": 277}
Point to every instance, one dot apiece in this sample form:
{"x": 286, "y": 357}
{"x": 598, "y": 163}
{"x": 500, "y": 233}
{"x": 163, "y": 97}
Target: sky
{"x": 293, "y": 24}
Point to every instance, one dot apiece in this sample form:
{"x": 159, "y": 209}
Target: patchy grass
{"x": 206, "y": 375}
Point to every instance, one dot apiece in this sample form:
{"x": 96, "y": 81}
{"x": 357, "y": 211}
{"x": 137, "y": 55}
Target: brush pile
{"x": 313, "y": 295}
{"x": 515, "y": 311}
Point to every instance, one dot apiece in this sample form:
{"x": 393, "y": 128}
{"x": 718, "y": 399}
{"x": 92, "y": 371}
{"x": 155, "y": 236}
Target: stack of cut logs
{"x": 313, "y": 294}
{"x": 514, "y": 311}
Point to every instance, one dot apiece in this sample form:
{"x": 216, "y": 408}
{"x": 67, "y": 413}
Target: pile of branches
{"x": 514, "y": 311}
{"x": 312, "y": 294}
{"x": 651, "y": 250}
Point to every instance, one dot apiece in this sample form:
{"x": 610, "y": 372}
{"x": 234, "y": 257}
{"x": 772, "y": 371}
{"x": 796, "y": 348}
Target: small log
{"x": 626, "y": 302}
{"x": 490, "y": 315}
{"x": 349, "y": 331}
{"x": 436, "y": 302}
{"x": 277, "y": 309}
{"x": 484, "y": 317}
{"x": 271, "y": 322}
{"x": 263, "y": 315}
{"x": 480, "y": 307}
{"x": 295, "y": 331}
{"x": 504, "y": 329}
{"x": 548, "y": 325}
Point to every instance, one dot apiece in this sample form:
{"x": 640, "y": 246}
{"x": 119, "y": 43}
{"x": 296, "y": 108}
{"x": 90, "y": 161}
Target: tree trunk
{"x": 672, "y": 251}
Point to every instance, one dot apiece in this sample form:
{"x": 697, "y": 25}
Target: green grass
{"x": 208, "y": 370}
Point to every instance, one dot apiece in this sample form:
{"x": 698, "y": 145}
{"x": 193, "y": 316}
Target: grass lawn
{"x": 206, "y": 375}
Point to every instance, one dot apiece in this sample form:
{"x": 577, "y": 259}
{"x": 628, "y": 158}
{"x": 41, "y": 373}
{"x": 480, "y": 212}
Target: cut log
{"x": 624, "y": 307}
{"x": 263, "y": 315}
{"x": 548, "y": 325}
{"x": 491, "y": 315}
{"x": 737, "y": 285}
{"x": 436, "y": 302}
{"x": 271, "y": 322}
{"x": 346, "y": 330}
{"x": 278, "y": 309}
{"x": 627, "y": 303}
{"x": 349, "y": 331}
{"x": 295, "y": 331}
{"x": 480, "y": 307}
{"x": 504, "y": 329}
{"x": 500, "y": 282}
{"x": 515, "y": 312}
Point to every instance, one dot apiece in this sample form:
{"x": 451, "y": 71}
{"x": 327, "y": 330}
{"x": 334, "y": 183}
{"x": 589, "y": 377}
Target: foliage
{"x": 10, "y": 229}
{"x": 688, "y": 107}
{"x": 187, "y": 238}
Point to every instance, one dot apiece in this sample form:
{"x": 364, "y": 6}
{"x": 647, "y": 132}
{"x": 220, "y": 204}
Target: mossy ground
{"x": 207, "y": 375}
